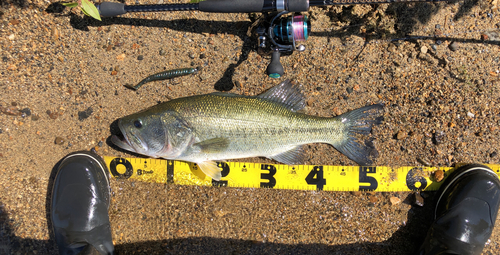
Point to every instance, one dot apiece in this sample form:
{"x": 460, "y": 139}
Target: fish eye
{"x": 137, "y": 123}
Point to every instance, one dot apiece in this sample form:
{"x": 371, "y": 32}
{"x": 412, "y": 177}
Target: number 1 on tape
{"x": 278, "y": 176}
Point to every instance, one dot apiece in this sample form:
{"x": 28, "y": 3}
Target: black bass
{"x": 220, "y": 126}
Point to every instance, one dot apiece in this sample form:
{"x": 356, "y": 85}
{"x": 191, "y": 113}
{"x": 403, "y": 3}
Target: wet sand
{"x": 62, "y": 87}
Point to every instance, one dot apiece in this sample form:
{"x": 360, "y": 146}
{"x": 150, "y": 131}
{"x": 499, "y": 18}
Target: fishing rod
{"x": 278, "y": 32}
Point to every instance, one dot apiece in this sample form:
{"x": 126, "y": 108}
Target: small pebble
{"x": 349, "y": 90}
{"x": 14, "y": 22}
{"x": 439, "y": 175}
{"x": 491, "y": 35}
{"x": 392, "y": 48}
{"x": 423, "y": 161}
{"x": 100, "y": 143}
{"x": 52, "y": 115}
{"x": 191, "y": 55}
{"x": 59, "y": 140}
{"x": 438, "y": 137}
{"x": 35, "y": 117}
{"x": 163, "y": 52}
{"x": 202, "y": 55}
{"x": 140, "y": 57}
{"x": 439, "y": 42}
{"x": 454, "y": 46}
{"x": 419, "y": 200}
{"x": 423, "y": 49}
{"x": 237, "y": 84}
{"x": 470, "y": 115}
{"x": 395, "y": 200}
{"x": 12, "y": 110}
{"x": 85, "y": 114}
{"x": 438, "y": 26}
{"x": 373, "y": 199}
{"x": 121, "y": 57}
{"x": 401, "y": 135}
{"x": 26, "y": 112}
{"x": 357, "y": 193}
{"x": 493, "y": 154}
{"x": 434, "y": 47}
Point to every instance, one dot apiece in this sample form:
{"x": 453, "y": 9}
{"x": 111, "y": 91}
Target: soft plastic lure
{"x": 169, "y": 74}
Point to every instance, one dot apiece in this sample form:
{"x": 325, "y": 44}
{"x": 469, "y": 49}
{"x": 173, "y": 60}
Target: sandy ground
{"x": 61, "y": 88}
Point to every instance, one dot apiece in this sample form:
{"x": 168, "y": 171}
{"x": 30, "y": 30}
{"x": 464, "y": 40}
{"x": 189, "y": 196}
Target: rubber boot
{"x": 79, "y": 205}
{"x": 466, "y": 211}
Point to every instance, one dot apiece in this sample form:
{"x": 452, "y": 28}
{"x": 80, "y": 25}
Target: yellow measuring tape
{"x": 278, "y": 176}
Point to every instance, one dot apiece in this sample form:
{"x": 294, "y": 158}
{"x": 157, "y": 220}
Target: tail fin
{"x": 359, "y": 122}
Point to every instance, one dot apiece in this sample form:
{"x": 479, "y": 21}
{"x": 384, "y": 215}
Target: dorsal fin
{"x": 286, "y": 94}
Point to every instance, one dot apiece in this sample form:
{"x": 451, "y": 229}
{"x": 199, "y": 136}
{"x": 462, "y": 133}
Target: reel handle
{"x": 111, "y": 9}
{"x": 275, "y": 68}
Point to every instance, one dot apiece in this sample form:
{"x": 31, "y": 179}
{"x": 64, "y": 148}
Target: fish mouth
{"x": 121, "y": 140}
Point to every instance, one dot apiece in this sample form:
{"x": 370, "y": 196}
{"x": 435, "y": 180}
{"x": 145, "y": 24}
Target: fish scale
{"x": 253, "y": 133}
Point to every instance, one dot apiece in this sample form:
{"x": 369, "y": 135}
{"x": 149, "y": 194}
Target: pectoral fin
{"x": 214, "y": 145}
{"x": 211, "y": 169}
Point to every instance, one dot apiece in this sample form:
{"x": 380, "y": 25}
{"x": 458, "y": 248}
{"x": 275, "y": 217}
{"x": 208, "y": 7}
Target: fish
{"x": 219, "y": 126}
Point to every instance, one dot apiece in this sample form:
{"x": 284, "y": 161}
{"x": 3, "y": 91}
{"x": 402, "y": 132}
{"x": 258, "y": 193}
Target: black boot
{"x": 466, "y": 211}
{"x": 79, "y": 205}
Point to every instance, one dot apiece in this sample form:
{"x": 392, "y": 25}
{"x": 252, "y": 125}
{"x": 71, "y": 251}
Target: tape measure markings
{"x": 279, "y": 176}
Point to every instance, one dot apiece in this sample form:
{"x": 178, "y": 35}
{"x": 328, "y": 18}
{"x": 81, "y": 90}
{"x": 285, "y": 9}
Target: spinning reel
{"x": 279, "y": 36}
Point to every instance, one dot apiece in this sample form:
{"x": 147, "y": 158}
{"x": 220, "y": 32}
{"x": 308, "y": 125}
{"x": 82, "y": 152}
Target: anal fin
{"x": 293, "y": 156}
{"x": 211, "y": 169}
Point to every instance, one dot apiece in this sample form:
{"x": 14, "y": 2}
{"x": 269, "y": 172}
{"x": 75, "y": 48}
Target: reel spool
{"x": 292, "y": 29}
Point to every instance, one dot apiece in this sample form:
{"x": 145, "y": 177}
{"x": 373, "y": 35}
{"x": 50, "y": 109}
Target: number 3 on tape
{"x": 271, "y": 181}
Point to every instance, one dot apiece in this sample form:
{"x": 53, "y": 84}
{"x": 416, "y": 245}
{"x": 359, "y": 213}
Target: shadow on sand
{"x": 407, "y": 17}
{"x": 406, "y": 240}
